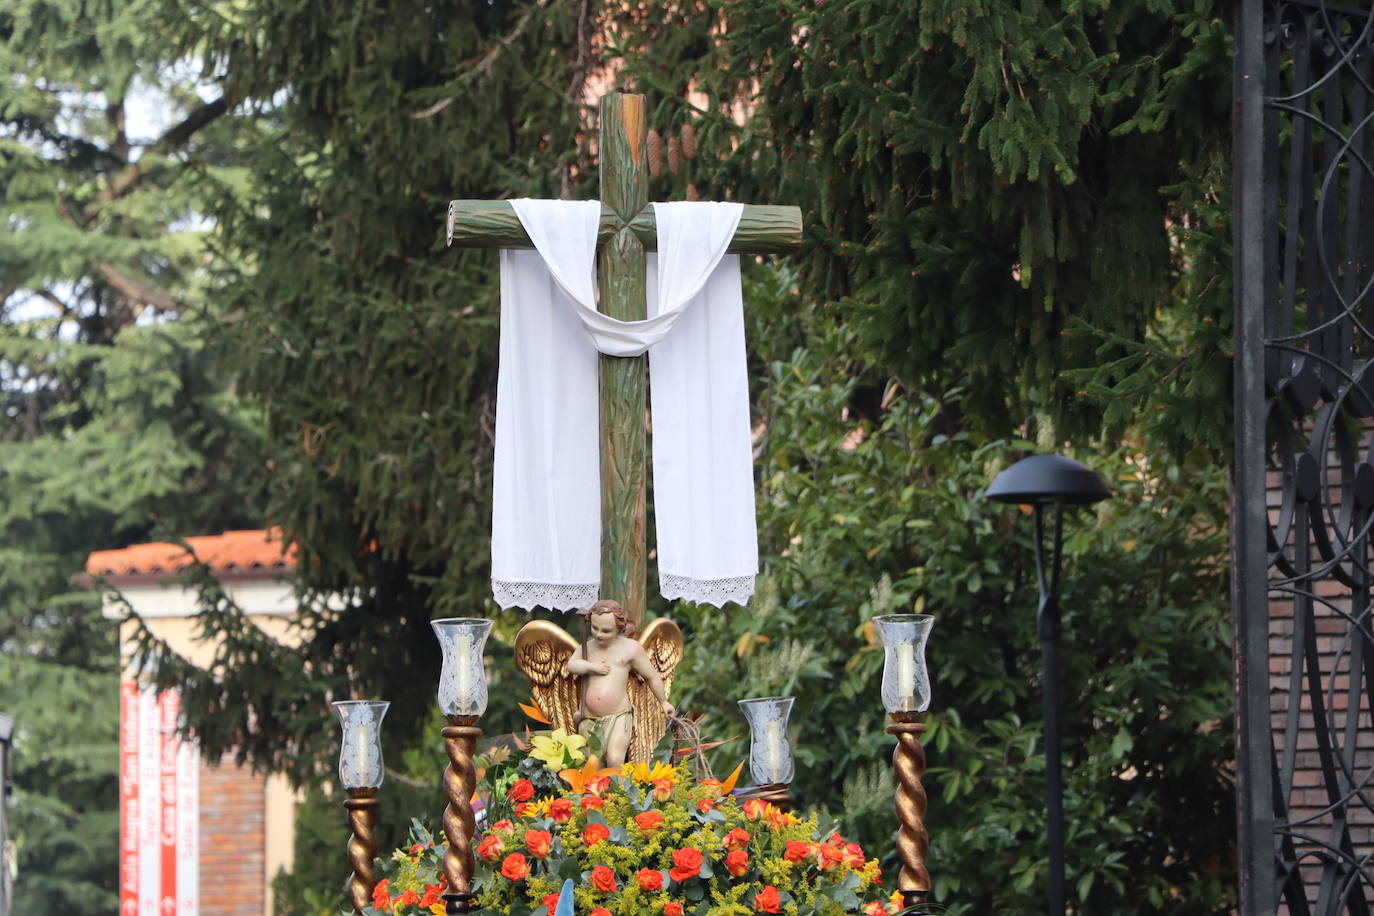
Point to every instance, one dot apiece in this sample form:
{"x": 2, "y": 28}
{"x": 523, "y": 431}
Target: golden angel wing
{"x": 662, "y": 642}
{"x": 541, "y": 650}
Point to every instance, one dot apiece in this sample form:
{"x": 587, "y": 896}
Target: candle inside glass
{"x": 906, "y": 675}
{"x": 773, "y": 742}
{"x": 463, "y": 661}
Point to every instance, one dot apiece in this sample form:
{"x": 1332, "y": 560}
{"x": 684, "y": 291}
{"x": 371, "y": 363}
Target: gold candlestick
{"x": 460, "y": 781}
{"x": 909, "y": 763}
{"x": 362, "y": 846}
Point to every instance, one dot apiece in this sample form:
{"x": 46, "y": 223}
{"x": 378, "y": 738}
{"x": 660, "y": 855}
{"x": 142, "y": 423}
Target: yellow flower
{"x": 557, "y": 748}
{"x": 640, "y": 772}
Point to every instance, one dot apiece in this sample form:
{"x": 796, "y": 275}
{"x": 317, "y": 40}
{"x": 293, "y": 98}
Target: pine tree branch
{"x": 483, "y": 64}
{"x": 137, "y": 290}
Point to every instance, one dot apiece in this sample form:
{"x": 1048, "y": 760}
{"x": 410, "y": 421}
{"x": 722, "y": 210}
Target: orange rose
{"x": 551, "y": 901}
{"x": 491, "y": 848}
{"x": 431, "y": 897}
{"x": 686, "y": 864}
{"x": 875, "y": 909}
{"x": 663, "y": 789}
{"x": 515, "y": 868}
{"x": 523, "y": 790}
{"x": 503, "y": 826}
{"x": 754, "y": 808}
{"x": 560, "y": 809}
{"x": 599, "y": 784}
{"x": 710, "y": 782}
{"x": 706, "y": 804}
{"x": 649, "y": 820}
{"x": 777, "y": 818}
{"x": 831, "y": 856}
{"x": 853, "y": 855}
{"x": 594, "y": 834}
{"x": 799, "y": 851}
{"x": 600, "y": 911}
{"x": 767, "y": 900}
{"x": 649, "y": 880}
{"x": 409, "y": 898}
{"x": 737, "y": 862}
{"x": 603, "y": 879}
{"x": 416, "y": 848}
{"x": 538, "y": 842}
{"x": 672, "y": 908}
{"x": 593, "y": 802}
{"x": 736, "y": 839}
{"x": 381, "y": 898}
{"x": 526, "y": 809}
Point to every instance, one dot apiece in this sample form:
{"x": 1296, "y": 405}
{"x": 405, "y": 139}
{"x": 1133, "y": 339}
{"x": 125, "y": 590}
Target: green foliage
{"x": 882, "y": 514}
{"x": 1007, "y": 193}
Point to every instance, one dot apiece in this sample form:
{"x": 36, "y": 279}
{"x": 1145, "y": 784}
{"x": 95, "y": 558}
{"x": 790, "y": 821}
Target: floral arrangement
{"x": 641, "y": 840}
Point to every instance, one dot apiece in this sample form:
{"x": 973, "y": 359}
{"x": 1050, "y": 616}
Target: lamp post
{"x": 361, "y": 772}
{"x": 6, "y": 740}
{"x": 462, "y": 699}
{"x": 770, "y": 752}
{"x": 906, "y": 697}
{"x": 1040, "y": 481}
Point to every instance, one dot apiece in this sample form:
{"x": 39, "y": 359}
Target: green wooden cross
{"x": 626, "y": 232}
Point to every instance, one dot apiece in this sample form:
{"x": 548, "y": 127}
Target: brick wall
{"x": 232, "y": 843}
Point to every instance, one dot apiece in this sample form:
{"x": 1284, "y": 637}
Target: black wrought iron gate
{"x": 1303, "y": 495}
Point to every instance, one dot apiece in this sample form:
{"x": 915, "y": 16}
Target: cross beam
{"x": 626, "y": 232}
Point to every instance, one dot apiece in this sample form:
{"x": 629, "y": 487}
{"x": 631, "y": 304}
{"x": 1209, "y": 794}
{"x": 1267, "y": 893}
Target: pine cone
{"x": 689, "y": 141}
{"x": 691, "y": 191}
{"x": 655, "y": 143}
{"x": 674, "y": 156}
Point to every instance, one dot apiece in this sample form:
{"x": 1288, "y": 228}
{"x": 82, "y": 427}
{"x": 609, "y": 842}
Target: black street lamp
{"x": 1040, "y": 481}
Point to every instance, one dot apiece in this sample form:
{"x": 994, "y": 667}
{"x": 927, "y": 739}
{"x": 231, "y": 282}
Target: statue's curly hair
{"x": 607, "y": 606}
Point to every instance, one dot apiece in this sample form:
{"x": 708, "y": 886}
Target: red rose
{"x": 649, "y": 820}
{"x": 853, "y": 855}
{"x": 649, "y": 879}
{"x": 600, "y": 911}
{"x": 672, "y": 908}
{"x": 491, "y": 847}
{"x": 663, "y": 788}
{"x": 706, "y": 804}
{"x": 551, "y": 901}
{"x": 686, "y": 864}
{"x": 603, "y": 879}
{"x": 590, "y": 802}
{"x": 560, "y": 809}
{"x": 538, "y": 842}
{"x": 798, "y": 851}
{"x": 381, "y": 898}
{"x": 754, "y": 809}
{"x": 736, "y": 839}
{"x": 416, "y": 848}
{"x": 515, "y": 867}
{"x": 737, "y": 862}
{"x": 523, "y": 790}
{"x": 594, "y": 834}
{"x": 767, "y": 900}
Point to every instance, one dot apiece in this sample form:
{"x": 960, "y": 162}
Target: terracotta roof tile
{"x": 232, "y": 551}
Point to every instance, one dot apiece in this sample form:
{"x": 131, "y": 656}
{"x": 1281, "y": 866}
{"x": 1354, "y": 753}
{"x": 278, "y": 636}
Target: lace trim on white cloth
{"x": 738, "y": 589}
{"x": 529, "y": 595}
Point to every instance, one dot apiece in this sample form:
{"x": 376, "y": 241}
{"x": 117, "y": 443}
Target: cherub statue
{"x": 610, "y": 682}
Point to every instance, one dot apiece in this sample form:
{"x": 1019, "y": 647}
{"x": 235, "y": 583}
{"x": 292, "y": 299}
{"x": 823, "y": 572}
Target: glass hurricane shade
{"x": 360, "y": 750}
{"x": 906, "y": 683}
{"x": 463, "y": 680}
{"x": 770, "y": 753}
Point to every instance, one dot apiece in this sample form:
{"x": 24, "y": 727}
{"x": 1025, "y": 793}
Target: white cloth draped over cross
{"x": 546, "y": 509}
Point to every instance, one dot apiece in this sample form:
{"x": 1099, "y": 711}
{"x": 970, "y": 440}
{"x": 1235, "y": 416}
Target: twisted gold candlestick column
{"x": 362, "y": 846}
{"x": 460, "y": 780}
{"x": 909, "y": 763}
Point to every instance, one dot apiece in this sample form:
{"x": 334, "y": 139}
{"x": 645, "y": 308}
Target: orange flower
{"x": 523, "y": 790}
{"x": 594, "y": 834}
{"x": 551, "y": 901}
{"x": 538, "y": 843}
{"x": 686, "y": 864}
{"x": 590, "y": 802}
{"x": 431, "y": 897}
{"x": 799, "y": 851}
{"x": 663, "y": 788}
{"x": 736, "y": 839}
{"x": 754, "y": 808}
{"x": 706, "y": 804}
{"x": 503, "y": 826}
{"x": 737, "y": 862}
{"x": 672, "y": 908}
{"x": 831, "y": 856}
{"x": 526, "y": 809}
{"x": 381, "y": 898}
{"x": 409, "y": 898}
{"x": 875, "y": 909}
{"x": 767, "y": 900}
{"x": 560, "y": 809}
{"x": 649, "y": 880}
{"x": 599, "y": 784}
{"x": 416, "y": 848}
{"x": 491, "y": 847}
{"x": 649, "y": 820}
{"x": 600, "y": 911}
{"x": 853, "y": 855}
{"x": 603, "y": 879}
{"x": 515, "y": 867}
{"x": 777, "y": 818}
